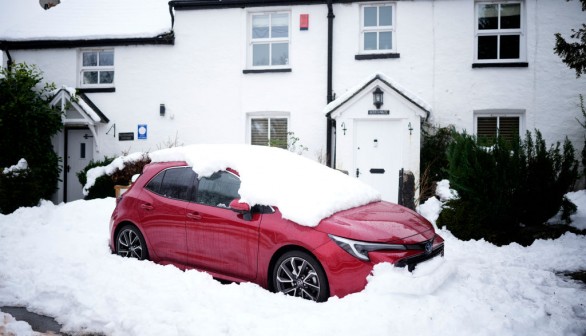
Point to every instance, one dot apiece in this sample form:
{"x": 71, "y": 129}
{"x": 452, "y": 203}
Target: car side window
{"x": 176, "y": 183}
{"x": 218, "y": 190}
{"x": 154, "y": 184}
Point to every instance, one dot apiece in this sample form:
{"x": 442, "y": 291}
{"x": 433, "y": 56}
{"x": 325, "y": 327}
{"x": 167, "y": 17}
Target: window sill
{"x": 361, "y": 57}
{"x": 95, "y": 90}
{"x": 501, "y": 65}
{"x": 251, "y": 71}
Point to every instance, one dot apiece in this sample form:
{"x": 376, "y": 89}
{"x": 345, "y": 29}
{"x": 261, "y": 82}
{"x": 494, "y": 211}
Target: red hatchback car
{"x": 171, "y": 216}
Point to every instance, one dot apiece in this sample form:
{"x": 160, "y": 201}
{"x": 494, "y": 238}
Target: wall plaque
{"x": 125, "y": 136}
{"x": 378, "y": 112}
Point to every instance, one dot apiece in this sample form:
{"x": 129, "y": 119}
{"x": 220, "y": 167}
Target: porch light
{"x": 162, "y": 110}
{"x": 377, "y": 97}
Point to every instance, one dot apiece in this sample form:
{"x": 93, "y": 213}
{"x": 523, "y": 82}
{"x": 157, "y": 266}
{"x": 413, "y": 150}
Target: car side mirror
{"x": 238, "y": 206}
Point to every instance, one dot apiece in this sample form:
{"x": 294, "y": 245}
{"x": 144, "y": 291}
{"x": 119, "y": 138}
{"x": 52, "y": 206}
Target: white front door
{"x": 378, "y": 155}
{"x": 79, "y": 151}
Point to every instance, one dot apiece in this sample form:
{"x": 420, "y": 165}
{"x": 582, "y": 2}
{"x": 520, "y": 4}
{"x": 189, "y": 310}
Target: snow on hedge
{"x": 20, "y": 166}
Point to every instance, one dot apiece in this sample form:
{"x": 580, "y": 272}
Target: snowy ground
{"x": 55, "y": 261}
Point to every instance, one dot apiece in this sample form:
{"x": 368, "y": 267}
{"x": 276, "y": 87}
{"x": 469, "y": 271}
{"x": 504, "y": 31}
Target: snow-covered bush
{"x": 100, "y": 177}
{"x": 17, "y": 187}
{"x": 434, "y": 161}
{"x": 503, "y": 191}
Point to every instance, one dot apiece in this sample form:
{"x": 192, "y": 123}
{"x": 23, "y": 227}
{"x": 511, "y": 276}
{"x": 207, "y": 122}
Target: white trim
{"x": 264, "y": 115}
{"x": 81, "y": 68}
{"x": 501, "y": 113}
{"x": 501, "y": 32}
{"x": 392, "y": 28}
{"x": 270, "y": 40}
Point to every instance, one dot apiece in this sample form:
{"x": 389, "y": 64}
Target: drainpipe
{"x": 9, "y": 62}
{"x": 330, "y": 122}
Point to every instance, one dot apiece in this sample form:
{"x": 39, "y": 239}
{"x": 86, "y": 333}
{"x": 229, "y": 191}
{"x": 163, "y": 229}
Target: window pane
{"x": 90, "y": 77}
{"x": 106, "y": 77}
{"x": 260, "y": 26}
{"x": 279, "y": 132}
{"x": 154, "y": 185}
{"x": 385, "y": 17}
{"x": 509, "y": 46}
{"x": 90, "y": 58}
{"x": 486, "y": 130}
{"x": 218, "y": 190}
{"x": 509, "y": 127}
{"x": 370, "y": 41}
{"x": 280, "y": 55}
{"x": 487, "y": 47}
{"x": 488, "y": 16}
{"x": 260, "y": 54}
{"x": 177, "y": 183}
{"x": 106, "y": 58}
{"x": 510, "y": 16}
{"x": 259, "y": 132}
{"x": 280, "y": 25}
{"x": 385, "y": 40}
{"x": 370, "y": 16}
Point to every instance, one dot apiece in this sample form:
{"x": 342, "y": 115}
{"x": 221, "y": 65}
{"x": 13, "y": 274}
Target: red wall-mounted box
{"x": 304, "y": 22}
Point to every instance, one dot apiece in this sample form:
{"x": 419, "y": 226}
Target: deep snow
{"x": 54, "y": 259}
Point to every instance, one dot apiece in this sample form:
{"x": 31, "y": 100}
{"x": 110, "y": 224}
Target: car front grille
{"x": 411, "y": 262}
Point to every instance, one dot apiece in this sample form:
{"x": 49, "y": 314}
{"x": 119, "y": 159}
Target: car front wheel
{"x": 130, "y": 243}
{"x": 297, "y": 273}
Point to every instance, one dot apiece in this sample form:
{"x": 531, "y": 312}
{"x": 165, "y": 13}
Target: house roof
{"x": 72, "y": 23}
{"x": 206, "y": 4}
{"x": 84, "y": 102}
{"x": 353, "y": 92}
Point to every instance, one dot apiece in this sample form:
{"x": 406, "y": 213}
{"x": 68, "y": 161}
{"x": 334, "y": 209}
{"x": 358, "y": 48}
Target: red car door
{"x": 220, "y": 240}
{"x": 162, "y": 209}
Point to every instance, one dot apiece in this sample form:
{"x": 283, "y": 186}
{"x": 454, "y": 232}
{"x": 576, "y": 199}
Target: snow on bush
{"x": 20, "y": 166}
{"x": 118, "y": 164}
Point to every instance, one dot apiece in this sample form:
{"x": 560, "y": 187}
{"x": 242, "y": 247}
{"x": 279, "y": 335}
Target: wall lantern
{"x": 377, "y": 97}
{"x": 162, "y": 110}
{"x": 343, "y": 126}
{"x": 410, "y": 128}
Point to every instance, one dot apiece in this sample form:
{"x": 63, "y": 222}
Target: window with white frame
{"x": 269, "y": 40}
{"x": 499, "y": 31}
{"x": 377, "y": 28}
{"x": 96, "y": 68}
{"x": 508, "y": 124}
{"x": 269, "y": 131}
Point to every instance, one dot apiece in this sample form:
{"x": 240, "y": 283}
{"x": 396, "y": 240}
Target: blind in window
{"x": 269, "y": 132}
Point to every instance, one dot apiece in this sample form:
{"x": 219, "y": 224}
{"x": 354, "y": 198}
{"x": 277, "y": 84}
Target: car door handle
{"x": 146, "y": 206}
{"x": 194, "y": 215}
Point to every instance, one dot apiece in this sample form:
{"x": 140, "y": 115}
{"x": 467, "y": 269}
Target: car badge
{"x": 428, "y": 247}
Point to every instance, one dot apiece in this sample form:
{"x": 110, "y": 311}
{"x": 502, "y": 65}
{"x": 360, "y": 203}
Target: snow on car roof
{"x": 305, "y": 191}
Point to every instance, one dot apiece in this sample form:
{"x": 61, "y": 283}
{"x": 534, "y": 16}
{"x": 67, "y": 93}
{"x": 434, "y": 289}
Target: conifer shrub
{"x": 434, "y": 161}
{"x": 506, "y": 188}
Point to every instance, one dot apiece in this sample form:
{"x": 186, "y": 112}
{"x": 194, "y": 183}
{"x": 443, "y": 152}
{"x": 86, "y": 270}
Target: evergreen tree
{"x": 573, "y": 53}
{"x": 27, "y": 123}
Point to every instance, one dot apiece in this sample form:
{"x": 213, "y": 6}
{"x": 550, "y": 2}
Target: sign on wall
{"x": 142, "y": 132}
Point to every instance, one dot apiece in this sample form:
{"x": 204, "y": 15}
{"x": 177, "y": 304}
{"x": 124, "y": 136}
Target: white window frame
{"x": 266, "y": 115}
{"x": 250, "y": 41}
{"x": 500, "y": 32}
{"x": 82, "y": 69}
{"x": 499, "y": 113}
{"x": 392, "y": 29}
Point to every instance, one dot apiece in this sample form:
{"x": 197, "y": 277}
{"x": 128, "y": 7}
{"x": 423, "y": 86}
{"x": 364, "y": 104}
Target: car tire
{"x": 130, "y": 243}
{"x": 297, "y": 273}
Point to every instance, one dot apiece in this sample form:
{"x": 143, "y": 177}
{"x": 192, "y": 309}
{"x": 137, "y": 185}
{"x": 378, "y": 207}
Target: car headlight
{"x": 360, "y": 249}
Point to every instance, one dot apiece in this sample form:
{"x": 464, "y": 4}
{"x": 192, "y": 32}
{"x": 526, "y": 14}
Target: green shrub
{"x": 104, "y": 186}
{"x": 27, "y": 123}
{"x": 434, "y": 160}
{"x": 505, "y": 187}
